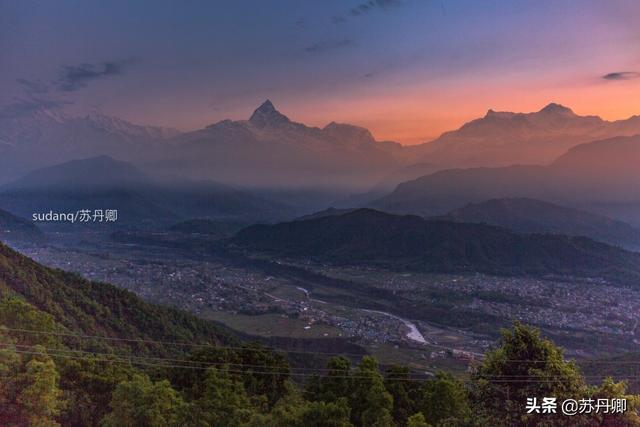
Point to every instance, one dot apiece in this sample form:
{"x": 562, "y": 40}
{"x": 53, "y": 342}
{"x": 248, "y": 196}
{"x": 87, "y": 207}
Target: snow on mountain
{"x": 42, "y": 138}
{"x": 271, "y": 149}
{"x": 129, "y": 130}
{"x": 506, "y": 138}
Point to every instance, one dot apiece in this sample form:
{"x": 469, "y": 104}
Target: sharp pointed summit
{"x": 554, "y": 108}
{"x": 267, "y": 115}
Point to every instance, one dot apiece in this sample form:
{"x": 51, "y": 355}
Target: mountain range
{"x": 43, "y": 138}
{"x": 270, "y": 150}
{"x": 411, "y": 243}
{"x": 506, "y": 138}
{"x": 594, "y": 174}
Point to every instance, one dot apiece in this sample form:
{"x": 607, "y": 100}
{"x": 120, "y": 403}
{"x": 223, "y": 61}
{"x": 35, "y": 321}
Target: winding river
{"x": 413, "y": 334}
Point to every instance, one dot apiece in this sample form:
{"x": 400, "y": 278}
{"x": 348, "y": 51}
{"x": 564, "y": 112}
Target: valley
{"x": 426, "y": 320}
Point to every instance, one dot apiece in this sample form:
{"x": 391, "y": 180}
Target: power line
{"x": 177, "y": 343}
{"x": 161, "y": 359}
{"x": 187, "y": 363}
{"x": 117, "y": 360}
{"x": 265, "y": 348}
{"x": 114, "y": 358}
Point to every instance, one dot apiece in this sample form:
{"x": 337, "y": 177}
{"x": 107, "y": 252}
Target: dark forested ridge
{"x": 409, "y": 242}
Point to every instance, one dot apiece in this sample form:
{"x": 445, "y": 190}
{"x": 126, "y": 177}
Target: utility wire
{"x": 264, "y": 349}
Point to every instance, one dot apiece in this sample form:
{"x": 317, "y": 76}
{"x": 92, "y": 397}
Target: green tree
{"x": 17, "y": 316}
{"x": 417, "y": 420}
{"x": 524, "y": 365}
{"x": 29, "y": 392}
{"x": 404, "y": 391}
{"x": 335, "y": 384}
{"x": 89, "y": 384}
{"x": 10, "y": 367}
{"x": 445, "y": 398}
{"x": 249, "y": 359}
{"x": 326, "y": 414}
{"x": 39, "y": 395}
{"x": 223, "y": 402}
{"x": 141, "y": 402}
{"x": 294, "y": 411}
{"x": 616, "y": 390}
{"x": 371, "y": 403}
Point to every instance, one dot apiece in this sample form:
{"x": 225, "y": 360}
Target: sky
{"x": 406, "y": 69}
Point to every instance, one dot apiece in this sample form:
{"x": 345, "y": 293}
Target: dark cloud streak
{"x": 622, "y": 75}
{"x": 365, "y": 8}
{"x": 74, "y": 77}
{"x": 371, "y": 5}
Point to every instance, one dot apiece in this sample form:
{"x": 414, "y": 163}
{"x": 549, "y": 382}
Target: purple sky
{"x": 407, "y": 70}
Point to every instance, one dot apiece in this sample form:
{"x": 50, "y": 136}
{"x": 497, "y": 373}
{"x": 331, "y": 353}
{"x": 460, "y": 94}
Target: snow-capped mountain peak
{"x": 126, "y": 129}
{"x": 559, "y": 109}
{"x": 267, "y": 115}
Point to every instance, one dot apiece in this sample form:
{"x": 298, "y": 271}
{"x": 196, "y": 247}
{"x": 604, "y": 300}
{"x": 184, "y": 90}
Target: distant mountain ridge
{"x": 410, "y": 243}
{"x": 506, "y": 138}
{"x": 536, "y": 216}
{"x": 271, "y": 150}
{"x": 596, "y": 173}
{"x": 102, "y": 183}
{"x": 91, "y": 173}
{"x": 43, "y": 138}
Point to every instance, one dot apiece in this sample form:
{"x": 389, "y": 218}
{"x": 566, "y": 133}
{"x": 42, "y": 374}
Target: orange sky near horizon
{"x": 407, "y": 72}
{"x": 418, "y": 116}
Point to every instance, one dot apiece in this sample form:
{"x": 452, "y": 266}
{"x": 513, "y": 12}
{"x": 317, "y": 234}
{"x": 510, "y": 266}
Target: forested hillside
{"x": 411, "y": 243}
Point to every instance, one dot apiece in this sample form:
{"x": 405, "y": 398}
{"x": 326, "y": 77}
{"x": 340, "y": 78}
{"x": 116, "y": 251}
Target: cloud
{"x": 622, "y": 75}
{"x": 74, "y": 77}
{"x": 321, "y": 47}
{"x": 33, "y": 87}
{"x": 26, "y": 106}
{"x": 37, "y": 96}
{"x": 365, "y": 8}
{"x": 370, "y": 5}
